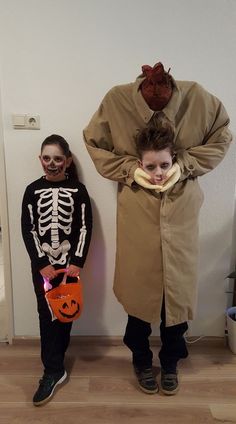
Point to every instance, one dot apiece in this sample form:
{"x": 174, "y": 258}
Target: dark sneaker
{"x": 47, "y": 385}
{"x": 146, "y": 379}
{"x": 169, "y": 383}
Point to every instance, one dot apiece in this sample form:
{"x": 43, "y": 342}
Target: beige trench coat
{"x": 157, "y": 235}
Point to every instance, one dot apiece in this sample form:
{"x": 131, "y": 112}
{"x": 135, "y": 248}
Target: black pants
{"x": 173, "y": 343}
{"x": 55, "y": 335}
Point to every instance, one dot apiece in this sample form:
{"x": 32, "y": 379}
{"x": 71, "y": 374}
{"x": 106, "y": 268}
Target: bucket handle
{"x": 64, "y": 270}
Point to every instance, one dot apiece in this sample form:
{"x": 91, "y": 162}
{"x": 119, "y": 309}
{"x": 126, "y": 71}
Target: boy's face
{"x": 157, "y": 164}
{"x": 54, "y": 163}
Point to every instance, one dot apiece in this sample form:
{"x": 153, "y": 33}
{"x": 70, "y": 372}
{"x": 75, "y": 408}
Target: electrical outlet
{"x": 32, "y": 122}
{"x": 26, "y": 121}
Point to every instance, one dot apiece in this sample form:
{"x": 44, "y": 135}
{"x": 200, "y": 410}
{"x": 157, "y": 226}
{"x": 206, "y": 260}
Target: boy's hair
{"x": 155, "y": 138}
{"x": 65, "y": 148}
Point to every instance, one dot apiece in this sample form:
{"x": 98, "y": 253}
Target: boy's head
{"x": 155, "y": 147}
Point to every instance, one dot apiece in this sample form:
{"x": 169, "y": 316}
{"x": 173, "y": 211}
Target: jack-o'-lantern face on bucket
{"x": 66, "y": 301}
{"x": 69, "y": 308}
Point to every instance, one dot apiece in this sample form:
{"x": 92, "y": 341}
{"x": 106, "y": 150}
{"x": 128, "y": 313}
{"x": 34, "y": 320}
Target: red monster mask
{"x": 157, "y": 86}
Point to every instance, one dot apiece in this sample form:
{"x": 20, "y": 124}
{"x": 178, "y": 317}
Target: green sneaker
{"x": 169, "y": 383}
{"x": 47, "y": 385}
{"x": 146, "y": 380}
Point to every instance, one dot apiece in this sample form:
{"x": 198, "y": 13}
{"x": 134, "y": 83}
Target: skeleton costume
{"x": 56, "y": 223}
{"x": 56, "y": 227}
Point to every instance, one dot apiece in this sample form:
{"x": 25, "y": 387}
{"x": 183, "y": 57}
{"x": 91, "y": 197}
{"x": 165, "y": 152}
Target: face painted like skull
{"x": 54, "y": 163}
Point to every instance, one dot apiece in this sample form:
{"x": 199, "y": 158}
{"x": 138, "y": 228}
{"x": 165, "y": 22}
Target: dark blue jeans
{"x": 173, "y": 347}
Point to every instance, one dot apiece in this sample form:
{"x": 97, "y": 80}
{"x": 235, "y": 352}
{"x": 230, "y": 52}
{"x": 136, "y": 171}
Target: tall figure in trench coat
{"x": 157, "y": 234}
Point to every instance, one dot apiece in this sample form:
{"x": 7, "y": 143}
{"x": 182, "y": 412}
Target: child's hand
{"x": 73, "y": 271}
{"x": 48, "y": 272}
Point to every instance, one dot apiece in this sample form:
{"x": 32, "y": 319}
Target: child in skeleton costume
{"x": 157, "y": 224}
{"x": 56, "y": 228}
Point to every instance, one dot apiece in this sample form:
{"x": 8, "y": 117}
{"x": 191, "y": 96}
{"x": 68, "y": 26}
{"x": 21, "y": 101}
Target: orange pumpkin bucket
{"x": 66, "y": 300}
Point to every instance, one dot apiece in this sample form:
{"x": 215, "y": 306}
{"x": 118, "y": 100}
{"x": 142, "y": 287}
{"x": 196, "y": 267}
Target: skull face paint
{"x": 54, "y": 163}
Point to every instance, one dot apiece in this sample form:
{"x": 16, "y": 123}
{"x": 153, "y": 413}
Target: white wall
{"x": 58, "y": 59}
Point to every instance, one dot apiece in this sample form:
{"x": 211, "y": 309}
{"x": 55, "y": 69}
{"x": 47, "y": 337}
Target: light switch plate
{"x": 18, "y": 121}
{"x": 26, "y": 121}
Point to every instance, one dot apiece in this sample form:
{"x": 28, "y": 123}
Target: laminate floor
{"x": 102, "y": 388}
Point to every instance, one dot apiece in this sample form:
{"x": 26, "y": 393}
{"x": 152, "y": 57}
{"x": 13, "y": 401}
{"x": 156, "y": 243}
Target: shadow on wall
{"x": 215, "y": 258}
{"x": 216, "y": 252}
{"x": 3, "y": 310}
{"x": 3, "y": 328}
{"x": 93, "y": 277}
{"x": 91, "y": 321}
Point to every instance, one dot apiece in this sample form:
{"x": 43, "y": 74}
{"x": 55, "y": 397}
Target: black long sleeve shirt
{"x": 56, "y": 223}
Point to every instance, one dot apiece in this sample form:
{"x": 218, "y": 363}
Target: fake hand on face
{"x": 143, "y": 179}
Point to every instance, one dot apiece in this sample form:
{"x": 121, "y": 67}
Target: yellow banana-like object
{"x": 143, "y": 179}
